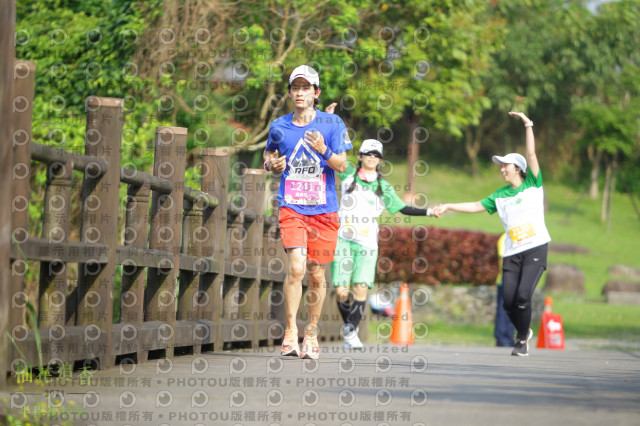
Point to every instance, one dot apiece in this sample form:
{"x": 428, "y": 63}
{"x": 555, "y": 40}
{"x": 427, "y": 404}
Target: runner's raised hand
{"x": 315, "y": 141}
{"x": 275, "y": 163}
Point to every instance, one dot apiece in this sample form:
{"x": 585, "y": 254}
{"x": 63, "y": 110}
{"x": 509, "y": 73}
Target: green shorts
{"x": 353, "y": 263}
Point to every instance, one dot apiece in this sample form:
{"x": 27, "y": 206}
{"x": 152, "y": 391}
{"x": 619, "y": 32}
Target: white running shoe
{"x": 352, "y": 341}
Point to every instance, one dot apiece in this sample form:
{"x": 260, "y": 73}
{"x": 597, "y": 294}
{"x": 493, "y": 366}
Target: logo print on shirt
{"x": 304, "y": 161}
{"x": 513, "y": 202}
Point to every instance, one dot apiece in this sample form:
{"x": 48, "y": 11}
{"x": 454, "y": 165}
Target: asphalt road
{"x": 382, "y": 385}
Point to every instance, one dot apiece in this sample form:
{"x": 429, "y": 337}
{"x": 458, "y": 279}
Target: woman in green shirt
{"x": 365, "y": 196}
{"x": 520, "y": 205}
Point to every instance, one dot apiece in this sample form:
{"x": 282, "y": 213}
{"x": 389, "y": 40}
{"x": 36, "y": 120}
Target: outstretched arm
{"x": 473, "y": 207}
{"x": 532, "y": 160}
{"x": 415, "y": 211}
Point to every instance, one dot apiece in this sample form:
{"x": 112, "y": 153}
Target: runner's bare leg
{"x": 316, "y": 293}
{"x": 293, "y": 285}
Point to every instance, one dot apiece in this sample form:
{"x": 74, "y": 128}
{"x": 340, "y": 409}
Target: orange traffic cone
{"x": 402, "y": 328}
{"x": 551, "y": 333}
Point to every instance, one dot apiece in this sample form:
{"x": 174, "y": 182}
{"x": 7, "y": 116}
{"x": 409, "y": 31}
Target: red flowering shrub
{"x": 431, "y": 255}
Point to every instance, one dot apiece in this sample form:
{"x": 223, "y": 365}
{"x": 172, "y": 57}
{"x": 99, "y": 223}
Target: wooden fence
{"x": 7, "y": 52}
{"x": 198, "y": 273}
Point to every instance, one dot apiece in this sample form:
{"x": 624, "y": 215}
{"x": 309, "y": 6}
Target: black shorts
{"x": 533, "y": 256}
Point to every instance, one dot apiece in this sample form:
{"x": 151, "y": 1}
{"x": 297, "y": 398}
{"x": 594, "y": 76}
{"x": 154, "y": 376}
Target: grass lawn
{"x": 584, "y": 317}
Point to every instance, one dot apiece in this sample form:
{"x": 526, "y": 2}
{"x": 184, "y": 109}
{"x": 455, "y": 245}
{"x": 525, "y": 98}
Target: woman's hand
{"x": 524, "y": 118}
{"x": 439, "y": 210}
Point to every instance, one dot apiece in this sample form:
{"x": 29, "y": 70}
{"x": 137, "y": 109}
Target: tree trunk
{"x": 413, "y": 152}
{"x": 595, "y": 156}
{"x": 472, "y": 146}
{"x": 606, "y": 193}
{"x": 612, "y": 190}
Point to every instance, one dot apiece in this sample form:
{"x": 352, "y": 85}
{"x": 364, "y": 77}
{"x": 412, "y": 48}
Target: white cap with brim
{"x": 306, "y": 72}
{"x": 512, "y": 158}
{"x": 369, "y": 145}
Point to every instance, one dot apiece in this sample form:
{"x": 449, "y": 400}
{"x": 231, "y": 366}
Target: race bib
{"x": 354, "y": 230}
{"x": 306, "y": 192}
{"x": 522, "y": 234}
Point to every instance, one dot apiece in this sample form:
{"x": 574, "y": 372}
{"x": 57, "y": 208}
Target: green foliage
{"x": 20, "y": 420}
{"x": 541, "y": 60}
{"x": 436, "y": 55}
{"x": 81, "y": 49}
{"x": 277, "y": 39}
{"x": 610, "y": 128}
{"x": 608, "y": 108}
{"x": 32, "y": 321}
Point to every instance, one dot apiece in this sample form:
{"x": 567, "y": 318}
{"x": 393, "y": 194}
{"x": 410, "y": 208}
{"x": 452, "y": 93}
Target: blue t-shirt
{"x": 308, "y": 184}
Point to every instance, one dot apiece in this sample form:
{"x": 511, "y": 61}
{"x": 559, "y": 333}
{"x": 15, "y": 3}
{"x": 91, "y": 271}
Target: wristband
{"x": 529, "y": 124}
{"x": 430, "y": 212}
{"x": 264, "y": 166}
{"x": 327, "y": 154}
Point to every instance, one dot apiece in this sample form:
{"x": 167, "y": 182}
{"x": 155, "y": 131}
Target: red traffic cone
{"x": 551, "y": 333}
{"x": 402, "y": 328}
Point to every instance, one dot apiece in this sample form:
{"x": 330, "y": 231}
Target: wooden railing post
{"x": 192, "y": 238}
{"x": 7, "y": 53}
{"x": 55, "y": 228}
{"x": 136, "y": 235}
{"x": 191, "y": 245}
{"x": 24, "y": 77}
{"x": 267, "y": 328}
{"x": 275, "y": 265}
{"x": 253, "y": 188}
{"x": 100, "y": 201}
{"x": 215, "y": 181}
{"x": 165, "y": 233}
{"x": 235, "y": 328}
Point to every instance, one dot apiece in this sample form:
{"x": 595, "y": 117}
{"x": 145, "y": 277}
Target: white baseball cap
{"x": 513, "y": 158}
{"x": 369, "y": 145}
{"x": 306, "y": 72}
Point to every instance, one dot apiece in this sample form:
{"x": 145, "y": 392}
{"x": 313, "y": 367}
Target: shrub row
{"x": 431, "y": 255}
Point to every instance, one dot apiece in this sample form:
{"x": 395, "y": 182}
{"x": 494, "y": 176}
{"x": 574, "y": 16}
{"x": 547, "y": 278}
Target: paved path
{"x": 394, "y": 385}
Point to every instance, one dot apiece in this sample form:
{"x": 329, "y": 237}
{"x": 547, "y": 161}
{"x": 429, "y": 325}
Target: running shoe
{"x": 522, "y": 346}
{"x": 290, "y": 343}
{"x": 310, "y": 348}
{"x": 352, "y": 341}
